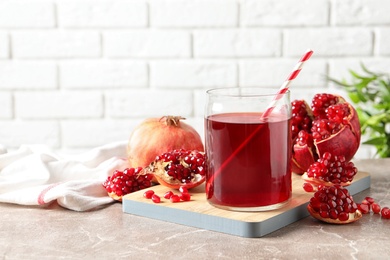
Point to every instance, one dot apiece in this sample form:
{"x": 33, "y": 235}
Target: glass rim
{"x": 224, "y": 92}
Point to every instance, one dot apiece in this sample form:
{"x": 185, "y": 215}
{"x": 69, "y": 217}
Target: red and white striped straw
{"x": 285, "y": 86}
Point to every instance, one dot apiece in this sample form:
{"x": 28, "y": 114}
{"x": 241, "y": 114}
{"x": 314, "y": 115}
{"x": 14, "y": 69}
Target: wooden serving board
{"x": 199, "y": 213}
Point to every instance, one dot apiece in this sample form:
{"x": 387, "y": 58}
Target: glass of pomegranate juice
{"x": 248, "y": 153}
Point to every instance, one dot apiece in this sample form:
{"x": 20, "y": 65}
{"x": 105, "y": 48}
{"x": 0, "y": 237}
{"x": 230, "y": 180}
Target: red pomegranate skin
{"x": 345, "y": 142}
{"x": 155, "y": 136}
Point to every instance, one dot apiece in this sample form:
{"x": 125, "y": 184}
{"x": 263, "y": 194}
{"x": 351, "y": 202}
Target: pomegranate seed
{"x": 156, "y": 198}
{"x": 183, "y": 189}
{"x": 185, "y": 196}
{"x": 175, "y": 198}
{"x": 168, "y": 195}
{"x": 369, "y": 200}
{"x": 308, "y": 187}
{"x": 385, "y": 212}
{"x": 375, "y": 208}
{"x": 148, "y": 194}
{"x": 364, "y": 208}
{"x": 343, "y": 216}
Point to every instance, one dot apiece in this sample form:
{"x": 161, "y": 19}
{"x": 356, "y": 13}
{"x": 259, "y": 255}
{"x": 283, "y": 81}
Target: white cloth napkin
{"x": 34, "y": 175}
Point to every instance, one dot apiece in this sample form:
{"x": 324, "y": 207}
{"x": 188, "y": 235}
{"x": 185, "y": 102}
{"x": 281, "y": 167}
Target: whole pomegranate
{"x": 330, "y": 124}
{"x": 155, "y": 136}
{"x": 179, "y": 169}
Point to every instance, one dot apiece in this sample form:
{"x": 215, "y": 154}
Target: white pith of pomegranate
{"x": 330, "y": 170}
{"x": 127, "y": 181}
{"x": 334, "y": 205}
{"x": 179, "y": 168}
{"x": 330, "y": 124}
{"x": 155, "y": 136}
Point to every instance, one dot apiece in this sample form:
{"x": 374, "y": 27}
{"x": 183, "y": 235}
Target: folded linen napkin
{"x": 34, "y": 175}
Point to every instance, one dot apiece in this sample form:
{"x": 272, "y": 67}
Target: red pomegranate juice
{"x": 257, "y": 174}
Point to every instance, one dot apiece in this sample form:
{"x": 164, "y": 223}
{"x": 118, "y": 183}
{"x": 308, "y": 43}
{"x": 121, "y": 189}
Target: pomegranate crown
{"x": 172, "y": 120}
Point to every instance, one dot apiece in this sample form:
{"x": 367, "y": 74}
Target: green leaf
{"x": 377, "y": 128}
{"x": 376, "y": 141}
{"x": 376, "y": 119}
{"x": 354, "y": 97}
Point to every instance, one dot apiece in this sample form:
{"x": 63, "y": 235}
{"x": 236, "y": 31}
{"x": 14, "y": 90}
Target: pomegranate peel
{"x": 330, "y": 124}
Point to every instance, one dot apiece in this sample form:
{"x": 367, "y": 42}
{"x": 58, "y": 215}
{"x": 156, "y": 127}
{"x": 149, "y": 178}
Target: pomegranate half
{"x": 155, "y": 136}
{"x": 179, "y": 169}
{"x": 330, "y": 124}
{"x": 334, "y": 204}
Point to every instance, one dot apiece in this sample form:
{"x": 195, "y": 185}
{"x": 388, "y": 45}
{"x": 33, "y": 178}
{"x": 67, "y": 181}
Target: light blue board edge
{"x": 226, "y": 225}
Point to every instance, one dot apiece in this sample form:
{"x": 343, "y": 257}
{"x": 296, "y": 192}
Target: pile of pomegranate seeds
{"x": 169, "y": 195}
{"x": 193, "y": 164}
{"x": 332, "y": 169}
{"x": 127, "y": 181}
{"x": 334, "y": 204}
{"x": 322, "y": 101}
{"x": 302, "y": 120}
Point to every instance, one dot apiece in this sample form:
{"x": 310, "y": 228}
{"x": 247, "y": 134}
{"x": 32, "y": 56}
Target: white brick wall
{"x": 102, "y": 14}
{"x": 4, "y": 45}
{"x": 103, "y": 74}
{"x": 75, "y": 74}
{"x": 16, "y": 74}
{"x": 147, "y": 44}
{"x": 189, "y": 14}
{"x": 56, "y": 44}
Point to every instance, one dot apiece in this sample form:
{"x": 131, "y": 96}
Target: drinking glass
{"x": 248, "y": 148}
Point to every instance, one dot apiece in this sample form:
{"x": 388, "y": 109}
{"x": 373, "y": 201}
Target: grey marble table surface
{"x": 108, "y": 233}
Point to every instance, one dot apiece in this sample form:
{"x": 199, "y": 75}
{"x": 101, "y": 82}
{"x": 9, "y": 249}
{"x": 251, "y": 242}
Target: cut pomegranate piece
{"x": 330, "y": 170}
{"x": 179, "y": 169}
{"x": 330, "y": 125}
{"x": 333, "y": 204}
{"x": 127, "y": 181}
